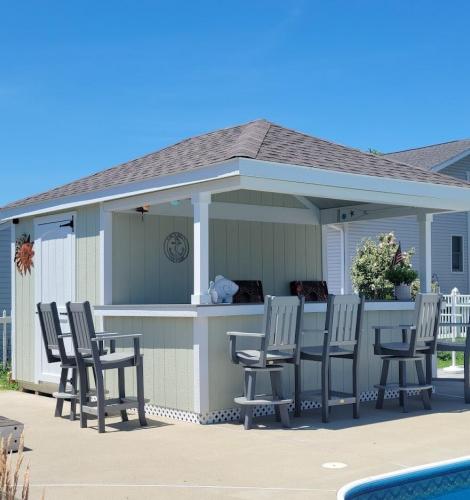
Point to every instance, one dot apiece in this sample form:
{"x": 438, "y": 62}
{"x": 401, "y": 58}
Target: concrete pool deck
{"x": 179, "y": 460}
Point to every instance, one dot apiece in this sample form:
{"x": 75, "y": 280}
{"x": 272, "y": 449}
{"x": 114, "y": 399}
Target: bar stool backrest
{"x": 427, "y": 314}
{"x": 343, "y": 320}
{"x": 282, "y": 323}
{"x": 83, "y": 330}
{"x": 50, "y": 329}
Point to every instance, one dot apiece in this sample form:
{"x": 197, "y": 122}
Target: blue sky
{"x": 86, "y": 85}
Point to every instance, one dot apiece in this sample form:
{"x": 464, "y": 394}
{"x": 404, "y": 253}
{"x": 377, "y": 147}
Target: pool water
{"x": 446, "y": 481}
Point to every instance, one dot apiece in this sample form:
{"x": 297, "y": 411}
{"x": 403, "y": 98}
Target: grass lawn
{"x": 5, "y": 380}
{"x": 444, "y": 359}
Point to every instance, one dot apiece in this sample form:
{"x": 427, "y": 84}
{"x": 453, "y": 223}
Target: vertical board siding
{"x": 87, "y": 285}
{"x": 443, "y": 227}
{"x": 225, "y": 378}
{"x": 24, "y": 314}
{"x": 273, "y": 253}
{"x": 167, "y": 346}
{"x": 142, "y": 274}
{"x": 87, "y": 234}
{"x": 5, "y": 285}
{"x": 334, "y": 259}
{"x": 259, "y": 198}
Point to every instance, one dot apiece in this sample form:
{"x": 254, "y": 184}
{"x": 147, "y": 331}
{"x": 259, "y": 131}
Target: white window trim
{"x": 463, "y": 253}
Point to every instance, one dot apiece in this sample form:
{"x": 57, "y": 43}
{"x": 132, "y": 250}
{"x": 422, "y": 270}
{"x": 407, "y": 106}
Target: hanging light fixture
{"x": 143, "y": 210}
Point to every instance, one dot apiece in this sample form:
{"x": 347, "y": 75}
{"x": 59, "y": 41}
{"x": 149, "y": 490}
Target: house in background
{"x": 5, "y": 279}
{"x": 449, "y": 234}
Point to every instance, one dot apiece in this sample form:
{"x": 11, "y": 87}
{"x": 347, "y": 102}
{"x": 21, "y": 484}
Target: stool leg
{"x": 250, "y": 395}
{"x": 355, "y": 386}
{"x": 401, "y": 380}
{"x": 282, "y": 409}
{"x": 298, "y": 382}
{"x": 422, "y": 381}
{"x": 245, "y": 393}
{"x": 100, "y": 400}
{"x": 62, "y": 388}
{"x": 140, "y": 392}
{"x": 325, "y": 389}
{"x": 403, "y": 394}
{"x": 383, "y": 382}
{"x": 466, "y": 381}
{"x": 122, "y": 392}
{"x": 73, "y": 401}
{"x": 276, "y": 391}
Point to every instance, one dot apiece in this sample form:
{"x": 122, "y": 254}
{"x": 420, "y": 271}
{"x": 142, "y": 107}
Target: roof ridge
{"x": 251, "y": 138}
{"x": 350, "y": 148}
{"x": 428, "y": 146}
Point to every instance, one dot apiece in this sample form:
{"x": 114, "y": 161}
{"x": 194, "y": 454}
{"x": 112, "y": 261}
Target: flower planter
{"x": 403, "y": 292}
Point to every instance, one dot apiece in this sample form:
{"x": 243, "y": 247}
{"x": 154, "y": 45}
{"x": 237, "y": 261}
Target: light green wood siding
{"x": 225, "y": 379}
{"x": 24, "y": 314}
{"x": 273, "y": 253}
{"x": 87, "y": 285}
{"x": 141, "y": 272}
{"x": 167, "y": 345}
{"x": 87, "y": 234}
{"x": 259, "y": 198}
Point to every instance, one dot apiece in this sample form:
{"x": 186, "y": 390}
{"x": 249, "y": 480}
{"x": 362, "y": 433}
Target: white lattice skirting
{"x": 231, "y": 414}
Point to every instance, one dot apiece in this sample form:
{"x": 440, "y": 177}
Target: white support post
{"x": 201, "y": 203}
{"x": 425, "y": 263}
{"x": 13, "y": 300}
{"x": 324, "y": 252}
{"x": 106, "y": 257}
{"x": 201, "y": 365}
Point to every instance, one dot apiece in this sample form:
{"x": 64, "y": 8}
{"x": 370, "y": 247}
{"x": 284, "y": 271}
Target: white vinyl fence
{"x": 4, "y": 322}
{"x": 456, "y": 309}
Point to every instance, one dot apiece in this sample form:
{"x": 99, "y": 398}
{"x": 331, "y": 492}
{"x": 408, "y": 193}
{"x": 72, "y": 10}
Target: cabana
{"x": 141, "y": 241}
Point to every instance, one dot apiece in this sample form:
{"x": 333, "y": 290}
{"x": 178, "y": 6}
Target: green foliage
{"x": 375, "y": 151}
{"x": 371, "y": 271}
{"x": 402, "y": 274}
{"x": 5, "y": 380}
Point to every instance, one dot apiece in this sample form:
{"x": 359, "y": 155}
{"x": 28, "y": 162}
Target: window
{"x": 457, "y": 254}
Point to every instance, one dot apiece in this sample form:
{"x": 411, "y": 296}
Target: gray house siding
{"x": 406, "y": 230}
{"x": 443, "y": 228}
{"x": 5, "y": 283}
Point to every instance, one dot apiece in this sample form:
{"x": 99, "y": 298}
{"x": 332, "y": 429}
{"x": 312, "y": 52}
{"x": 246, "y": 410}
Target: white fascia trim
{"x": 210, "y": 173}
{"x": 13, "y": 299}
{"x": 310, "y": 181}
{"x": 450, "y": 161}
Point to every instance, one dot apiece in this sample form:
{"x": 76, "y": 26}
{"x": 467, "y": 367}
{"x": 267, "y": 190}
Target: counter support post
{"x": 201, "y": 364}
{"x": 201, "y": 203}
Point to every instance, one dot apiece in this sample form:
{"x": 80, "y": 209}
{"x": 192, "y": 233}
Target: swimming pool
{"x": 449, "y": 480}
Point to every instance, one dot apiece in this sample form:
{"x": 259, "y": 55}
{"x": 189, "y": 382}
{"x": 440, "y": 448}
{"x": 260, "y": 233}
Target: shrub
{"x": 372, "y": 273}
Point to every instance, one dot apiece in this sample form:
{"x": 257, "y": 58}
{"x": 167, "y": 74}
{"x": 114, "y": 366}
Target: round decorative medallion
{"x": 176, "y": 247}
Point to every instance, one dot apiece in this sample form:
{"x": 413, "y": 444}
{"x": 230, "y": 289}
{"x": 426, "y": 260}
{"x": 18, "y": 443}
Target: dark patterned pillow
{"x": 313, "y": 291}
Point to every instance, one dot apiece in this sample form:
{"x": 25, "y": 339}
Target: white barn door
{"x": 54, "y": 245}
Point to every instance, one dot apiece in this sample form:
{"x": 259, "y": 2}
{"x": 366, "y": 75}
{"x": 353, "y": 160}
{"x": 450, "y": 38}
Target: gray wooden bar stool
{"x": 417, "y": 349}
{"x": 464, "y": 347}
{"x": 88, "y": 353}
{"x": 54, "y": 345}
{"x": 340, "y": 339}
{"x": 282, "y": 323}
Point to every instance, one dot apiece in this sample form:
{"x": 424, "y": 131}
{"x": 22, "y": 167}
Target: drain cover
{"x": 334, "y": 465}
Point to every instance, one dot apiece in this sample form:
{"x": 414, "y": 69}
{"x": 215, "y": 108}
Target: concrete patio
{"x": 178, "y": 460}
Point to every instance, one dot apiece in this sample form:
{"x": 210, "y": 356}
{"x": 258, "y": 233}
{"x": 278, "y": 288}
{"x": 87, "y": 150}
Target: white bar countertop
{"x": 207, "y": 311}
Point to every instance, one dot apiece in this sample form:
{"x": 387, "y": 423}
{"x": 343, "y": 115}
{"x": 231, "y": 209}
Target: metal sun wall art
{"x": 24, "y": 254}
{"x": 176, "y": 247}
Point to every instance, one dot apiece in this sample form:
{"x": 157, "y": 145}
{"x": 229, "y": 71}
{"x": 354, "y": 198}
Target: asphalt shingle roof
{"x": 430, "y": 156}
{"x": 259, "y": 140}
